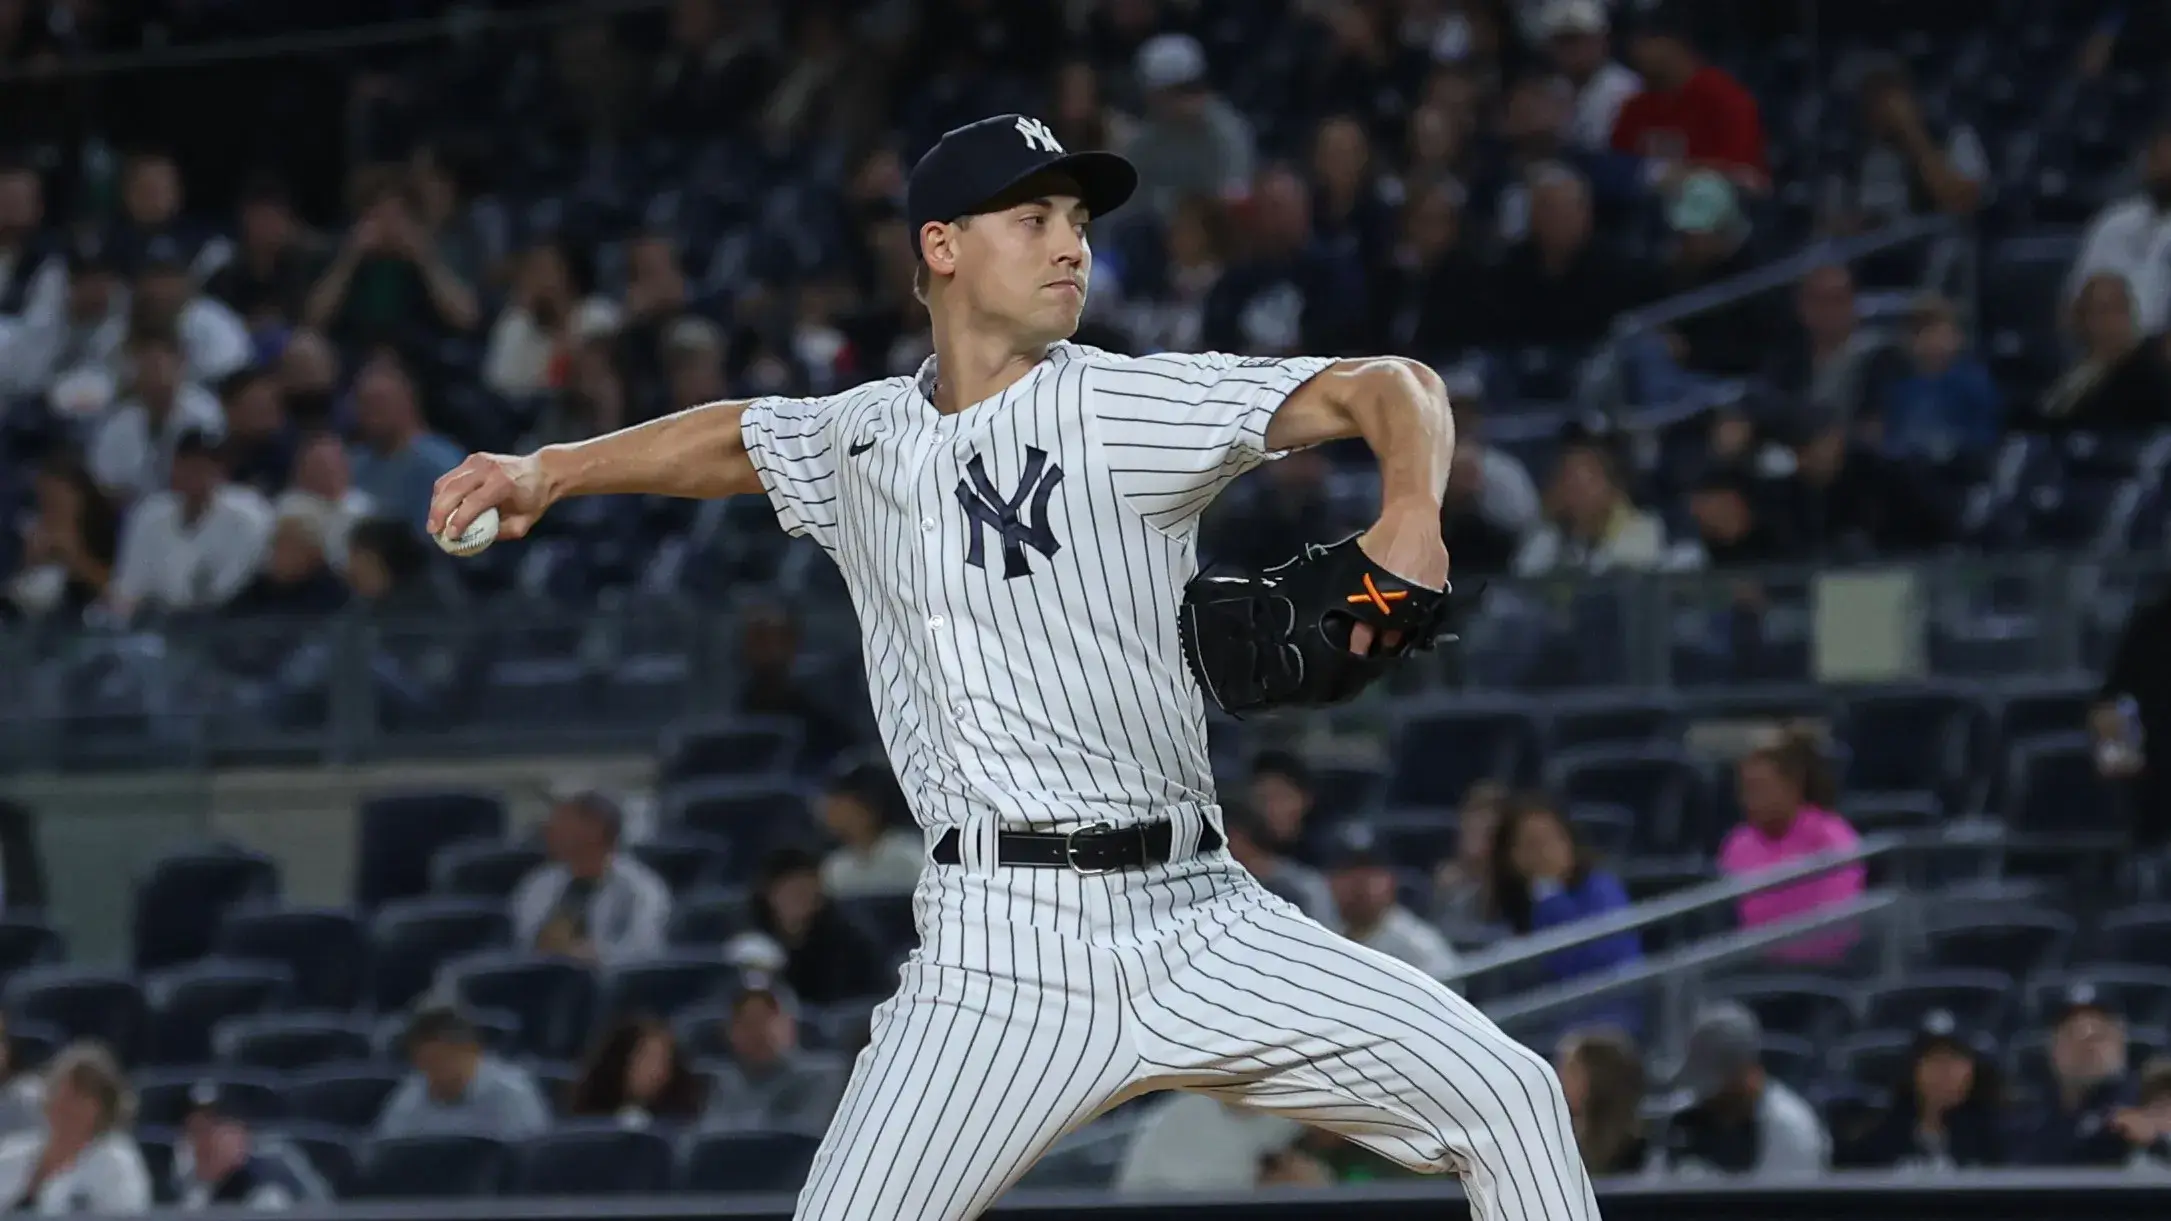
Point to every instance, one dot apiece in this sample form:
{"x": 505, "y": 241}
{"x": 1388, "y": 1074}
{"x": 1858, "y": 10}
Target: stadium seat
{"x": 2033, "y": 710}
{"x": 412, "y": 938}
{"x": 1878, "y": 1059}
{"x": 417, "y": 1167}
{"x": 664, "y": 988}
{"x": 1608, "y": 829}
{"x": 1801, "y": 1006}
{"x": 715, "y": 750}
{"x": 400, "y": 832}
{"x": 82, "y": 1003}
{"x": 1796, "y": 1061}
{"x": 162, "y": 1097}
{"x": 1344, "y": 791}
{"x": 686, "y": 860}
{"x": 2053, "y": 788}
{"x": 701, "y": 1030}
{"x": 708, "y": 917}
{"x": 29, "y": 942}
{"x": 179, "y": 905}
{"x": 594, "y": 1160}
{"x": 747, "y": 1162}
{"x": 1910, "y": 740}
{"x": 1611, "y": 721}
{"x": 2139, "y": 935}
{"x": 1416, "y": 839}
{"x": 325, "y": 948}
{"x": 330, "y": 1152}
{"x": 31, "y": 1044}
{"x": 2019, "y": 943}
{"x": 348, "y": 1097}
{"x": 752, "y": 815}
{"x": 552, "y": 1000}
{"x": 1668, "y": 792}
{"x": 291, "y": 1042}
{"x": 1439, "y": 754}
{"x": 1899, "y": 813}
{"x": 2140, "y": 995}
{"x": 186, "y": 1003}
{"x": 157, "y": 1145}
{"x": 1979, "y": 1000}
{"x": 482, "y": 868}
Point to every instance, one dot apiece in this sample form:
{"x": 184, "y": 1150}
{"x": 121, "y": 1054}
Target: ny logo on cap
{"x": 1037, "y": 135}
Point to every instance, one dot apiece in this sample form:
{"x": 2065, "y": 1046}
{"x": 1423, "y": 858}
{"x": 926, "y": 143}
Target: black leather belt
{"x": 1088, "y": 850}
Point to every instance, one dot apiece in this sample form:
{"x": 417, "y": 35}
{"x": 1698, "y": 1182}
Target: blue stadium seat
{"x": 2017, "y": 942}
{"x": 1439, "y": 753}
{"x": 31, "y": 1044}
{"x": 291, "y": 1042}
{"x": 1802, "y": 1006}
{"x": 2140, "y": 935}
{"x": 1870, "y": 813}
{"x": 742, "y": 746}
{"x": 555, "y": 1078}
{"x": 552, "y": 1000}
{"x": 2141, "y": 995}
{"x": 747, "y": 1162}
{"x": 1608, "y": 829}
{"x": 752, "y": 815}
{"x": 417, "y": 1167}
{"x": 1910, "y": 740}
{"x": 483, "y": 868}
{"x": 2053, "y": 788}
{"x": 1416, "y": 839}
{"x": 1879, "y": 1059}
{"x": 1668, "y": 792}
{"x": 667, "y": 987}
{"x": 686, "y": 860}
{"x": 400, "y": 832}
{"x": 325, "y": 948}
{"x": 186, "y": 1003}
{"x": 1614, "y": 721}
{"x": 1349, "y": 790}
{"x": 709, "y": 917}
{"x": 330, "y": 1151}
{"x": 701, "y": 1030}
{"x": 29, "y": 942}
{"x": 1979, "y": 1000}
{"x": 412, "y": 938}
{"x": 157, "y": 1145}
{"x": 83, "y": 1004}
{"x": 2033, "y": 710}
{"x": 594, "y": 1160}
{"x": 162, "y": 1097}
{"x": 348, "y": 1097}
{"x": 179, "y": 905}
{"x": 1797, "y": 1061}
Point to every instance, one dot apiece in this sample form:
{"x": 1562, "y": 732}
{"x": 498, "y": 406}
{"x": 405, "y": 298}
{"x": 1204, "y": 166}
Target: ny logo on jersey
{"x": 987, "y": 507}
{"x": 1037, "y": 135}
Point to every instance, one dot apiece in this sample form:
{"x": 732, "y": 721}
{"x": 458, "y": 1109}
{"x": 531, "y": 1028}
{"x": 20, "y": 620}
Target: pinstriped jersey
{"x": 1016, "y": 568}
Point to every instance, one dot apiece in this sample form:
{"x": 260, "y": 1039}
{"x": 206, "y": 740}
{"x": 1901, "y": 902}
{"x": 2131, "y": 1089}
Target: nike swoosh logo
{"x": 859, "y": 447}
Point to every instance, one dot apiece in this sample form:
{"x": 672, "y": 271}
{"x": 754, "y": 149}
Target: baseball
{"x": 479, "y": 534}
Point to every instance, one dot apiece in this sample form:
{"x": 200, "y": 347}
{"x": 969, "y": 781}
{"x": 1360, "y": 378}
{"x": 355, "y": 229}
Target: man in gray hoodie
{"x": 459, "y": 1089}
{"x": 1740, "y": 1120}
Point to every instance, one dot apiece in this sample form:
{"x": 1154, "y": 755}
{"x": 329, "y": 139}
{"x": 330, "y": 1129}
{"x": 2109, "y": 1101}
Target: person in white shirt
{"x": 322, "y": 484}
{"x": 193, "y": 546}
{"x": 84, "y": 1161}
{"x": 591, "y": 902}
{"x": 532, "y": 342}
{"x": 132, "y": 448}
{"x": 1195, "y": 1143}
{"x": 1594, "y": 526}
{"x": 1369, "y": 913}
{"x": 2132, "y": 238}
{"x": 69, "y": 336}
{"x": 1575, "y": 36}
{"x": 875, "y": 855}
{"x": 214, "y": 340}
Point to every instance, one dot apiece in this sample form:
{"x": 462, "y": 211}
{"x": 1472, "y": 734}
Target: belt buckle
{"x": 1070, "y": 849}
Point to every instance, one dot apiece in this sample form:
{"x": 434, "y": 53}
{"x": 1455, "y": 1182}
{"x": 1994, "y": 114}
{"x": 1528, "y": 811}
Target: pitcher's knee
{"x": 1501, "y": 1093}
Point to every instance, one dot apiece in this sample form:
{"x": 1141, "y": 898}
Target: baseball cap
{"x": 1356, "y": 846}
{"x": 761, "y": 983}
{"x": 1169, "y": 61}
{"x": 2079, "y": 999}
{"x": 1573, "y": 17}
{"x": 1939, "y": 1029}
{"x": 1726, "y": 1040}
{"x": 974, "y": 166}
{"x": 1704, "y": 203}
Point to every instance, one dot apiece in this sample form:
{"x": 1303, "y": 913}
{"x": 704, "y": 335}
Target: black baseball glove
{"x": 1280, "y": 638}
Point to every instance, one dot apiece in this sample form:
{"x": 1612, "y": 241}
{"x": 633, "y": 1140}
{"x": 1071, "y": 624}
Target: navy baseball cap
{"x": 974, "y": 166}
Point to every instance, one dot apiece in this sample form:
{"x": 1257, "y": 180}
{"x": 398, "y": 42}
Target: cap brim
{"x": 1106, "y": 181}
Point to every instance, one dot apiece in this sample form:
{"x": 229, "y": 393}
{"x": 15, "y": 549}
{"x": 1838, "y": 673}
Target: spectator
{"x": 827, "y": 958}
{"x": 131, "y": 451}
{"x": 388, "y": 283}
{"x": 1464, "y": 884}
{"x": 1740, "y": 1120}
{"x": 1192, "y": 1142}
{"x": 214, "y": 341}
{"x": 388, "y": 570}
{"x": 1492, "y": 507}
{"x": 1249, "y": 845}
{"x": 2140, "y": 672}
{"x": 2122, "y": 381}
{"x": 321, "y": 484}
{"x": 1846, "y": 502}
{"x": 718, "y": 63}
{"x": 258, "y": 435}
{"x": 470, "y": 248}
{"x": 1732, "y": 530}
{"x": 1558, "y": 286}
{"x": 73, "y": 350}
{"x": 69, "y": 544}
{"x": 2132, "y": 238}
{"x": 1786, "y": 790}
{"x": 2147, "y": 1127}
{"x": 1423, "y": 302}
{"x": 1711, "y": 245}
{"x": 2079, "y": 1125}
{"x": 295, "y": 581}
{"x": 1368, "y": 911}
{"x": 1832, "y": 369}
{"x": 1290, "y": 293}
{"x": 1351, "y": 213}
{"x": 195, "y": 545}
{"x": 656, "y": 294}
{"x": 22, "y": 1092}
{"x": 1288, "y": 505}
{"x": 84, "y": 1160}
{"x": 769, "y": 1082}
{"x": 220, "y": 1162}
{"x": 151, "y": 200}
{"x": 33, "y": 271}
{"x": 1192, "y": 142}
{"x": 1198, "y": 250}
{"x": 1080, "y": 116}
{"x": 267, "y": 279}
{"x": 308, "y": 375}
{"x": 399, "y": 460}
{"x": 1601, "y": 1074}
{"x": 879, "y": 852}
{"x": 1690, "y": 114}
{"x": 637, "y": 1075}
{"x": 1575, "y": 34}
{"x": 1947, "y": 405}
{"x": 532, "y": 343}
{"x": 1532, "y": 132}
{"x": 693, "y": 362}
{"x": 457, "y": 1088}
{"x": 1945, "y": 1115}
{"x": 778, "y": 681}
{"x": 591, "y": 902}
{"x": 1592, "y": 525}
{"x": 1543, "y": 877}
{"x": 1908, "y": 168}
{"x": 1281, "y": 795}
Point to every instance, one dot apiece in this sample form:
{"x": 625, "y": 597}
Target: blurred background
{"x": 1793, "y": 783}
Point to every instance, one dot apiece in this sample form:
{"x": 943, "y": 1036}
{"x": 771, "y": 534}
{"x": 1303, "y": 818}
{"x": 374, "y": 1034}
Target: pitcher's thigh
{"x": 1310, "y": 1025}
{"x": 967, "y": 1081}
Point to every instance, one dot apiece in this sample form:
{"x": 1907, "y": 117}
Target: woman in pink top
{"x": 1787, "y": 791}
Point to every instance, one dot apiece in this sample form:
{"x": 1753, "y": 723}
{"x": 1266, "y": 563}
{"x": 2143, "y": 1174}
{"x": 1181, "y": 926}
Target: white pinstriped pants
{"x": 1040, "y": 998}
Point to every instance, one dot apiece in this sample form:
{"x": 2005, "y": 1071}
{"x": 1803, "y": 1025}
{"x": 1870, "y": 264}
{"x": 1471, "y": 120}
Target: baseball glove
{"x": 1280, "y": 638}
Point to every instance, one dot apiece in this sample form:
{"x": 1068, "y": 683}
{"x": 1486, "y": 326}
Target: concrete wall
{"x": 100, "y": 833}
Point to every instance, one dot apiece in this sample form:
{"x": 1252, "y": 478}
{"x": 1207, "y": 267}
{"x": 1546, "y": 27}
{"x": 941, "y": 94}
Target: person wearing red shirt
{"x": 1690, "y": 114}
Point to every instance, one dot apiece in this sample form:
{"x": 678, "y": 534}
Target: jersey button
{"x": 935, "y": 622}
{"x": 958, "y": 710}
{"x": 927, "y": 525}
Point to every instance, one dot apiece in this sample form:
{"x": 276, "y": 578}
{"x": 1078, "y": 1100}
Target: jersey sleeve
{"x": 792, "y": 447}
{"x": 1178, "y": 428}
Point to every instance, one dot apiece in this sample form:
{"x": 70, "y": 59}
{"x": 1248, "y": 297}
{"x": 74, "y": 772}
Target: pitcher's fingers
{"x": 452, "y": 487}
